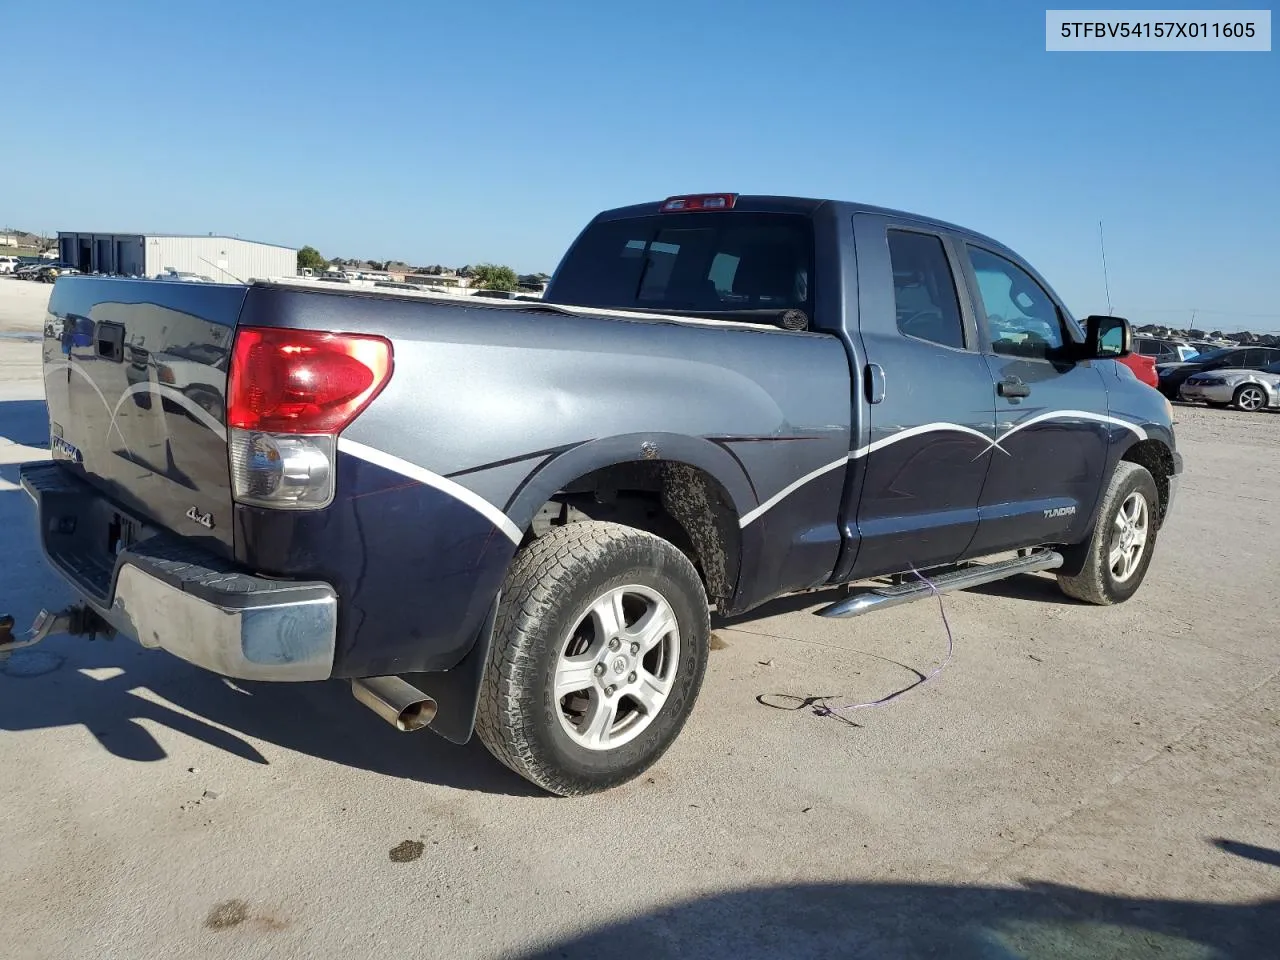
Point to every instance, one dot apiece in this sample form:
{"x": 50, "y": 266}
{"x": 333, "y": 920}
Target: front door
{"x": 918, "y": 468}
{"x": 1053, "y": 427}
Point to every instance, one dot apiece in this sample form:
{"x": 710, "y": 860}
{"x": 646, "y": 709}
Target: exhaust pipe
{"x": 401, "y": 704}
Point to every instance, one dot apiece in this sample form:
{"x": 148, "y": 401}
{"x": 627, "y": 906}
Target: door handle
{"x": 1012, "y": 387}
{"x": 875, "y": 383}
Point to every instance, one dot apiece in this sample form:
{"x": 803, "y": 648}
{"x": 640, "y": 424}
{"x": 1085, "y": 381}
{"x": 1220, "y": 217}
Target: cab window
{"x": 1021, "y": 318}
{"x": 924, "y": 289}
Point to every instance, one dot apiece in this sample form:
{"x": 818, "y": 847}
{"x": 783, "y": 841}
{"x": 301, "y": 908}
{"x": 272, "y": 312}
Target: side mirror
{"x": 1107, "y": 338}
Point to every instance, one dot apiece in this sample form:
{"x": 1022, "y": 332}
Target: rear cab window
{"x": 739, "y": 265}
{"x": 924, "y": 289}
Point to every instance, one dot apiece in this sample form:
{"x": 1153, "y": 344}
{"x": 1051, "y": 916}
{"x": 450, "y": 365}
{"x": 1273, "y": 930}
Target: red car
{"x": 1144, "y": 368}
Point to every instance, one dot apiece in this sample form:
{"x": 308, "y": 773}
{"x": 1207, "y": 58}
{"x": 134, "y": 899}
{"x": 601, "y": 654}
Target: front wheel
{"x": 1119, "y": 551}
{"x": 598, "y": 653}
{"x": 1250, "y": 398}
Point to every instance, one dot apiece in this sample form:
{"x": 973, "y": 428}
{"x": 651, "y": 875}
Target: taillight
{"x": 289, "y": 394}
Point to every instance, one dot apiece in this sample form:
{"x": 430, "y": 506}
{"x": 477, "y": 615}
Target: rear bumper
{"x": 169, "y": 593}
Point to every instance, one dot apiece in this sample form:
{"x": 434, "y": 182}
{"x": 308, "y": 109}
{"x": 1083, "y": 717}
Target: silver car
{"x": 1247, "y": 389}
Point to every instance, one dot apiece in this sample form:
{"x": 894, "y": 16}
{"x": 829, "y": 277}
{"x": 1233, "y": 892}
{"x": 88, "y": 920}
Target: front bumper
{"x": 167, "y": 592}
{"x": 1209, "y": 394}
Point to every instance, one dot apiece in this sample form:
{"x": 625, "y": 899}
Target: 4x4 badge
{"x": 204, "y": 519}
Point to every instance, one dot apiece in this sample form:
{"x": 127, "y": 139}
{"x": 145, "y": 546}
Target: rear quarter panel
{"x": 492, "y": 409}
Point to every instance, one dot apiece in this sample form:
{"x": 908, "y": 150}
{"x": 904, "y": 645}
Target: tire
{"x": 547, "y": 614}
{"x": 1099, "y": 581}
{"x": 1250, "y": 398}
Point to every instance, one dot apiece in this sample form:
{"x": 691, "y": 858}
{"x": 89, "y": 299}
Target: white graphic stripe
{"x": 1077, "y": 415}
{"x": 942, "y": 427}
{"x": 789, "y": 489}
{"x": 927, "y": 428}
{"x": 434, "y": 480}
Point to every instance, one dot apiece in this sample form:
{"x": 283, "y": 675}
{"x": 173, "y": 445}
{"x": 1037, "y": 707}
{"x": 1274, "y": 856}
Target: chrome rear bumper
{"x": 169, "y": 594}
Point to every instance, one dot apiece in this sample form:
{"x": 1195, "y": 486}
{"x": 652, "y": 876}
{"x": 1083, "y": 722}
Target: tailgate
{"x": 135, "y": 376}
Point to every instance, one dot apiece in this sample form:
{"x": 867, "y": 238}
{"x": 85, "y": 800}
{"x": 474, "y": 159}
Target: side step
{"x": 880, "y": 598}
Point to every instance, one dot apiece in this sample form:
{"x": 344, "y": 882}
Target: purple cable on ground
{"x": 824, "y": 710}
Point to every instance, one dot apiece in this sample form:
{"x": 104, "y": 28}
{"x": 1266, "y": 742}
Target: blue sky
{"x": 493, "y": 130}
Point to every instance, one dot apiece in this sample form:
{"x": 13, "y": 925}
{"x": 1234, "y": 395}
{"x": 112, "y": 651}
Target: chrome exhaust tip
{"x": 401, "y": 704}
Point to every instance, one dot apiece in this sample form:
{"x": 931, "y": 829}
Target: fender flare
{"x": 561, "y": 470}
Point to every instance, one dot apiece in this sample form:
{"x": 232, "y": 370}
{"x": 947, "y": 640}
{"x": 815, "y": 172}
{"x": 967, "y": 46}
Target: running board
{"x": 880, "y": 598}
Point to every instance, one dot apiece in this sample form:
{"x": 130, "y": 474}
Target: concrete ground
{"x": 1077, "y": 782}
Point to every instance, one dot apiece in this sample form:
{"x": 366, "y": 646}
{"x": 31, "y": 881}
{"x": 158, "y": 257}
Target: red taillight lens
{"x": 303, "y": 381}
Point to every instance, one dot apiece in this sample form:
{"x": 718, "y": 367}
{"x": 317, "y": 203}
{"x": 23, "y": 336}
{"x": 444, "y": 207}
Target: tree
{"x": 310, "y": 257}
{"x": 489, "y": 276}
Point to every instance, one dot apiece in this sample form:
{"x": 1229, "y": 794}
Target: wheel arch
{"x": 686, "y": 489}
{"x": 1156, "y": 456}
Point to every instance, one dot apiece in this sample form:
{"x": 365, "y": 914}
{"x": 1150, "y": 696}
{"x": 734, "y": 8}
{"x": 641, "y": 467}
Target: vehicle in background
{"x": 8, "y": 264}
{"x": 1247, "y": 390}
{"x": 512, "y": 517}
{"x": 52, "y": 271}
{"x": 1202, "y": 347}
{"x": 29, "y": 271}
{"x": 182, "y": 276}
{"x": 333, "y": 277}
{"x": 1144, "y": 368}
{"x": 1173, "y": 375}
{"x": 1162, "y": 350}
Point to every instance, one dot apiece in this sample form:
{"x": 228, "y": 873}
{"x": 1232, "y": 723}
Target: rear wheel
{"x": 1119, "y": 551}
{"x": 599, "y": 649}
{"x": 1250, "y": 398}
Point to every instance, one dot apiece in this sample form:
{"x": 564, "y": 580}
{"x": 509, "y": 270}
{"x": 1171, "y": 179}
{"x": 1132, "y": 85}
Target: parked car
{"x": 1202, "y": 347}
{"x": 52, "y": 271}
{"x": 1247, "y": 390}
{"x": 29, "y": 271}
{"x": 8, "y": 264}
{"x": 1173, "y": 375}
{"x": 512, "y": 516}
{"x": 1162, "y": 350}
{"x": 1144, "y": 368}
{"x": 182, "y": 276}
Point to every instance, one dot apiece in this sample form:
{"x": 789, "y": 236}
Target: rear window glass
{"x": 692, "y": 262}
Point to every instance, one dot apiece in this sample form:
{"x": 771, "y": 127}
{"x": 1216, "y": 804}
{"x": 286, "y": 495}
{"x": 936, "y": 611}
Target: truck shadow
{"x": 1034, "y": 921}
{"x": 109, "y": 686}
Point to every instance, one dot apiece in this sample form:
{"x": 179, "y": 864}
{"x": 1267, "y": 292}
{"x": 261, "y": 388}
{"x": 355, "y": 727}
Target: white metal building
{"x": 225, "y": 259}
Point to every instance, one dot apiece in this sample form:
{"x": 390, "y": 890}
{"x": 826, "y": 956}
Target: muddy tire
{"x": 599, "y": 649}
{"x": 1118, "y": 553}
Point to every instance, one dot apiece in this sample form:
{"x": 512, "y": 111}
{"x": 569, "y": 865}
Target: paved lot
{"x": 1077, "y": 782}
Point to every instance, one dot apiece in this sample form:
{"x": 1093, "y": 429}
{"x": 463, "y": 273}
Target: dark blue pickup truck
{"x": 514, "y": 517}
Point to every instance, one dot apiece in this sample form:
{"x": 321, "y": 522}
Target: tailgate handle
{"x": 109, "y": 341}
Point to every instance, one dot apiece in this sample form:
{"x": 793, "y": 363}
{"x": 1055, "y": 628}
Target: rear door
{"x": 929, "y": 398}
{"x": 1053, "y": 425}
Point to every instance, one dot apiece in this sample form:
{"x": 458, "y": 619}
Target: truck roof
{"x": 807, "y": 206}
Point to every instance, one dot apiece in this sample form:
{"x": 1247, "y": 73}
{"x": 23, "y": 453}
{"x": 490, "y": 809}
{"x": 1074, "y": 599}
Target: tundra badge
{"x": 1059, "y": 512}
{"x": 204, "y": 519}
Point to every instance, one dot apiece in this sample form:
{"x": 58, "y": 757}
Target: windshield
{"x": 1211, "y": 355}
{"x": 692, "y": 262}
